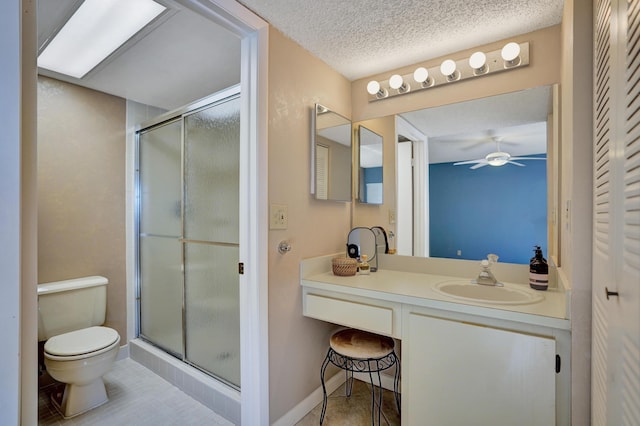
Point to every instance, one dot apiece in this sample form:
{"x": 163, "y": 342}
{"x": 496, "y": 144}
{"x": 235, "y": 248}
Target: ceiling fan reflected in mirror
{"x": 497, "y": 159}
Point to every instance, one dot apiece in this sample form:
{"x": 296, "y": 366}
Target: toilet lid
{"x": 81, "y": 341}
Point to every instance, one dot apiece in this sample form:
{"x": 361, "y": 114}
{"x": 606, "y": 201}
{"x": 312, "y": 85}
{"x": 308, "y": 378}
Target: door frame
{"x": 20, "y": 52}
{"x": 420, "y": 185}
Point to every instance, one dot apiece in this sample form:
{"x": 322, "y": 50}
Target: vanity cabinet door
{"x": 457, "y": 373}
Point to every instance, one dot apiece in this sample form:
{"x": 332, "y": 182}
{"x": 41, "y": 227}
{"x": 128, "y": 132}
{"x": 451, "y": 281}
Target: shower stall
{"x": 187, "y": 234}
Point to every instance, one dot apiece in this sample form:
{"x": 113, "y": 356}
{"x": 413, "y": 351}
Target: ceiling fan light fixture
{"x": 498, "y": 158}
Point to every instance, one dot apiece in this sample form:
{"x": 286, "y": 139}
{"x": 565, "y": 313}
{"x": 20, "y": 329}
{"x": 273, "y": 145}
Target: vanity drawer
{"x": 357, "y": 313}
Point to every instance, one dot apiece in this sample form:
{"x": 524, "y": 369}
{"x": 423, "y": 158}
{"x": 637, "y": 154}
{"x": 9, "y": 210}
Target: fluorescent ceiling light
{"x": 95, "y": 31}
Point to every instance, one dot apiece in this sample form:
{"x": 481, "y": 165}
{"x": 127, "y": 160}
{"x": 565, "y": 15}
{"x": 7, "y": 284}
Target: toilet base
{"x": 78, "y": 399}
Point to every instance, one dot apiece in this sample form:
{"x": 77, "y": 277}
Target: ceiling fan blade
{"x": 515, "y": 163}
{"x": 477, "y": 166}
{"x": 528, "y": 158}
{"x": 467, "y": 162}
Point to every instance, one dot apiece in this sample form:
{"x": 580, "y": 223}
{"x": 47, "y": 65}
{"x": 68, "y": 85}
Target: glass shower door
{"x": 211, "y": 239}
{"x": 160, "y": 230}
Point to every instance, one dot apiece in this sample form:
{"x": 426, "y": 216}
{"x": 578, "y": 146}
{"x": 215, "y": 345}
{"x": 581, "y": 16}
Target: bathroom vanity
{"x": 464, "y": 360}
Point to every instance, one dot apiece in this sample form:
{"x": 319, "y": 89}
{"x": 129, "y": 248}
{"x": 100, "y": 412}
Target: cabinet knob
{"x": 610, "y": 293}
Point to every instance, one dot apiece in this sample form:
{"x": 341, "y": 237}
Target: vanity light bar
{"x": 511, "y": 56}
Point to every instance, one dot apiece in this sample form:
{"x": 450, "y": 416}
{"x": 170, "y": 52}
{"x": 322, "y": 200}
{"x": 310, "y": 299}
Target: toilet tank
{"x": 70, "y": 305}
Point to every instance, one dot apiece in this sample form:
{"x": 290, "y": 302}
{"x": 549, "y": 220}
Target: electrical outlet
{"x": 459, "y": 253}
{"x": 278, "y": 216}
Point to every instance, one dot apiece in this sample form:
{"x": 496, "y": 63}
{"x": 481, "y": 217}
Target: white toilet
{"x": 78, "y": 351}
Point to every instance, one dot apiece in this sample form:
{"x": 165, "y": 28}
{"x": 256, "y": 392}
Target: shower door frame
{"x": 177, "y": 115}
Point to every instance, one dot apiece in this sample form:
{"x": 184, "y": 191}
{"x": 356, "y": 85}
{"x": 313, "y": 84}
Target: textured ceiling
{"x": 359, "y": 38}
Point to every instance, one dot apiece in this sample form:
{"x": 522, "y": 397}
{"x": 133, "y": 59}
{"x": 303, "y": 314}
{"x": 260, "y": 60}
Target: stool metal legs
{"x": 325, "y": 363}
{"x": 365, "y": 366}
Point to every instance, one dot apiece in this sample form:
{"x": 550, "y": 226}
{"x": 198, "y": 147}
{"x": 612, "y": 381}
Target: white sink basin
{"x": 507, "y": 295}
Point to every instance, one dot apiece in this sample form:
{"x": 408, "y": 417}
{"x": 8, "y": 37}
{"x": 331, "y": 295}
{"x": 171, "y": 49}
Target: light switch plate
{"x": 392, "y": 216}
{"x": 278, "y": 216}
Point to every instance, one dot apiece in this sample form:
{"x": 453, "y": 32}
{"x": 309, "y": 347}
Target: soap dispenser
{"x": 538, "y": 271}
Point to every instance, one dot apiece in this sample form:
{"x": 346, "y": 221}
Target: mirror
{"x": 369, "y": 166}
{"x": 465, "y": 211}
{"x": 331, "y": 158}
{"x": 363, "y": 241}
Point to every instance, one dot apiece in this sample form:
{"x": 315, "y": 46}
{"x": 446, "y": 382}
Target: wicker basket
{"x": 344, "y": 266}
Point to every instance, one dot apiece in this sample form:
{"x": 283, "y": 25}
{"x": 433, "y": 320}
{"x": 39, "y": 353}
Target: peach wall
{"x": 297, "y": 345}
{"x": 81, "y": 189}
{"x": 543, "y": 69}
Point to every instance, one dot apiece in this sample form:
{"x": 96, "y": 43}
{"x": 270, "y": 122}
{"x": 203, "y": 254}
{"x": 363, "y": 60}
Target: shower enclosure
{"x": 188, "y": 239}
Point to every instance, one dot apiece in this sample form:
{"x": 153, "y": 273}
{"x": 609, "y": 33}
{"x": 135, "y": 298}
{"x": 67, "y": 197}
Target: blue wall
{"x": 373, "y": 175}
{"x": 370, "y": 175}
{"x": 501, "y": 210}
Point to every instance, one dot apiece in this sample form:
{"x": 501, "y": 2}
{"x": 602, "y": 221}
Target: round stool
{"x": 362, "y": 352}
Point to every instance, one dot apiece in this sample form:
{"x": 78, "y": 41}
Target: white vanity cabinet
{"x": 461, "y": 363}
{"x": 463, "y": 373}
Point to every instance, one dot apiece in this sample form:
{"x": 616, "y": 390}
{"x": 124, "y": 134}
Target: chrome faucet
{"x": 486, "y": 277}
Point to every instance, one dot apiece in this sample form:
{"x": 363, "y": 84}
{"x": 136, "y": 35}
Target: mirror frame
{"x": 317, "y": 110}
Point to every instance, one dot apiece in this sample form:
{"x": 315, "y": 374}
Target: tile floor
{"x": 355, "y": 410}
{"x": 137, "y": 396}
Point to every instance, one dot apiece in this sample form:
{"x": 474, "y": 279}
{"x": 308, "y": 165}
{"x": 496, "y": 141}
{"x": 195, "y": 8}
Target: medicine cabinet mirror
{"x": 369, "y": 166}
{"x": 331, "y": 155}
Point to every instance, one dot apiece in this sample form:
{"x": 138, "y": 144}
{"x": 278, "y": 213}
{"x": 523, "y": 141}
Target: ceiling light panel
{"x": 94, "y": 32}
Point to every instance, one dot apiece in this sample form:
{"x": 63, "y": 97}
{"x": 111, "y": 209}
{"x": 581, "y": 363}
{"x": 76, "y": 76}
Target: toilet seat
{"x": 79, "y": 344}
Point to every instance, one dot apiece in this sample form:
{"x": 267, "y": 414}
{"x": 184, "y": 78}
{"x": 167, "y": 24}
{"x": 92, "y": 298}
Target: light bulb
{"x": 421, "y": 75}
{"x": 510, "y": 52}
{"x": 373, "y": 87}
{"x": 448, "y": 69}
{"x": 477, "y": 61}
{"x": 395, "y": 82}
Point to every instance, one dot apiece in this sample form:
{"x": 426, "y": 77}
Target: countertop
{"x": 417, "y": 289}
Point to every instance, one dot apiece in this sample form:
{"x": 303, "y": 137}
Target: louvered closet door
{"x": 628, "y": 266}
{"x": 616, "y": 250}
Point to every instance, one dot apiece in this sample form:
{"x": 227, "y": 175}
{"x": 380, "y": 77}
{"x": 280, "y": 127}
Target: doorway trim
{"x": 420, "y": 193}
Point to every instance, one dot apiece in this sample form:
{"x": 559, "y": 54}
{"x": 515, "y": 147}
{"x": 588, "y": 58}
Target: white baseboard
{"x": 123, "y": 353}
{"x": 309, "y": 403}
